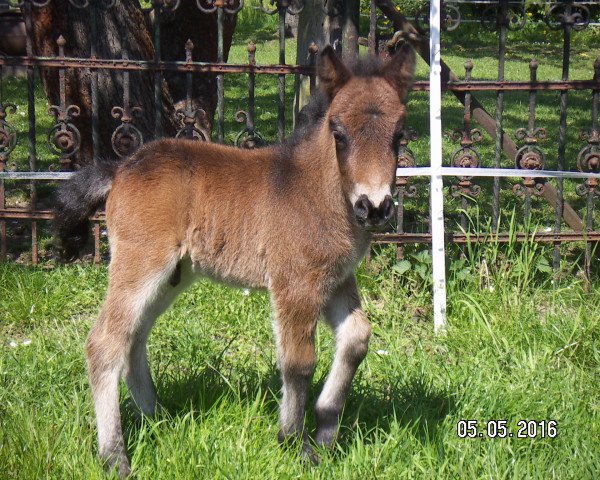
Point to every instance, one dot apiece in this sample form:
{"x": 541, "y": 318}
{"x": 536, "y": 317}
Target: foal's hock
{"x": 293, "y": 218}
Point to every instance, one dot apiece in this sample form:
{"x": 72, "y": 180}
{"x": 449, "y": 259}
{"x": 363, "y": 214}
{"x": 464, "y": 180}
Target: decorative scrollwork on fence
{"x": 291, "y": 7}
{"x": 64, "y": 138}
{"x": 105, "y": 4}
{"x": 530, "y": 156}
{"x": 34, "y": 3}
{"x": 588, "y": 160}
{"x": 406, "y": 159}
{"x": 466, "y": 156}
{"x": 561, "y": 15}
{"x": 229, "y": 6}
{"x": 126, "y": 138}
{"x": 8, "y": 133}
{"x": 247, "y": 137}
{"x": 450, "y": 19}
{"x": 169, "y": 5}
{"x": 513, "y": 16}
{"x": 191, "y": 118}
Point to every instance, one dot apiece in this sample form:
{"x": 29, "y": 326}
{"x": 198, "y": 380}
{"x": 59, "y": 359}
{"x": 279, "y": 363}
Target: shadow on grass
{"x": 416, "y": 403}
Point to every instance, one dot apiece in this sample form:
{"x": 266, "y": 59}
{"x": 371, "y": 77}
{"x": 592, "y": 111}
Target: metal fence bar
{"x": 282, "y": 6}
{"x": 94, "y": 80}
{"x": 220, "y": 79}
{"x": 157, "y": 7}
{"x": 94, "y": 98}
{"x": 562, "y": 132}
{"x": 9, "y": 143}
{"x": 589, "y": 160}
{"x": 32, "y": 127}
{"x": 502, "y": 24}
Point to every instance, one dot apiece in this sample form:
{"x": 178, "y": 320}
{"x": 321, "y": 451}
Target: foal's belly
{"x": 232, "y": 277}
{"x": 228, "y": 260}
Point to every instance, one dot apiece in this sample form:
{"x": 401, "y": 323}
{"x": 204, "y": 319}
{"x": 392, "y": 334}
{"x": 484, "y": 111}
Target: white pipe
{"x": 437, "y": 194}
{"x": 36, "y": 175}
{"x": 491, "y": 172}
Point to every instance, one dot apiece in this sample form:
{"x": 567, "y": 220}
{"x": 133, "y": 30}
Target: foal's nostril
{"x": 387, "y": 208}
{"x": 363, "y": 208}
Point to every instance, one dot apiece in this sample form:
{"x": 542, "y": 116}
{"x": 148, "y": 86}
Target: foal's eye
{"x": 340, "y": 139}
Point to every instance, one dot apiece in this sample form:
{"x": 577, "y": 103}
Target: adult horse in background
{"x": 293, "y": 218}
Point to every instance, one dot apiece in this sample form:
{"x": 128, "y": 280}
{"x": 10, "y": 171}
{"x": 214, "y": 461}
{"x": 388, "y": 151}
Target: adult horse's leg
{"x": 352, "y": 332}
{"x": 134, "y": 286}
{"x": 296, "y": 318}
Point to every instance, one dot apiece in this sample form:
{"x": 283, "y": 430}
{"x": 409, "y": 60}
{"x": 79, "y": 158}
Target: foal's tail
{"x": 77, "y": 199}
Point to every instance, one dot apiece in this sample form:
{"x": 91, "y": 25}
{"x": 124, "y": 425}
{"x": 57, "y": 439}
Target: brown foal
{"x": 293, "y": 218}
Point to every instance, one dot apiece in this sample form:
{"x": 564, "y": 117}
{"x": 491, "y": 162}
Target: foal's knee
{"x": 355, "y": 338}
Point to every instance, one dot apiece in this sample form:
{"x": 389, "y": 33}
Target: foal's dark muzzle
{"x": 371, "y": 217}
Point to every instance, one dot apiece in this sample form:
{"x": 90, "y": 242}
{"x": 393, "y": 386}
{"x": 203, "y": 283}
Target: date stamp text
{"x": 502, "y": 429}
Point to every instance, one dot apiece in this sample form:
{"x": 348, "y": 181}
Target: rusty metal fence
{"x": 483, "y": 140}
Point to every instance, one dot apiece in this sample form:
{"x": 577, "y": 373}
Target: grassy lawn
{"x": 518, "y": 348}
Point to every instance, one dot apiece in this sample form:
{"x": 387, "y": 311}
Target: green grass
{"x": 518, "y": 347}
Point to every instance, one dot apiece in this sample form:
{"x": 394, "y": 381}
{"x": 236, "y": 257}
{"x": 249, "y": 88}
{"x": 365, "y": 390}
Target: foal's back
{"x": 176, "y": 199}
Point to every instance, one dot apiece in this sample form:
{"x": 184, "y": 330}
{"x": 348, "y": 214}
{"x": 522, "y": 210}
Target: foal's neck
{"x": 315, "y": 156}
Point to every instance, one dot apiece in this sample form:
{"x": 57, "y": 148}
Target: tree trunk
{"x": 189, "y": 23}
{"x": 115, "y": 35}
{"x": 321, "y": 26}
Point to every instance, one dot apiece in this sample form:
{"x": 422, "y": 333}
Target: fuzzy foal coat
{"x": 277, "y": 218}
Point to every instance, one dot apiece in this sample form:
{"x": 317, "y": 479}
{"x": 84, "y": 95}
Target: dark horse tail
{"x": 77, "y": 199}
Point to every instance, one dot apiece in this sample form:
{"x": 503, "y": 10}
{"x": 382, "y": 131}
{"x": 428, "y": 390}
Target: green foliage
{"x": 254, "y": 24}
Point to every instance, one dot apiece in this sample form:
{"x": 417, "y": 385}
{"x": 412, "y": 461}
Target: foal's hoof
{"x": 326, "y": 435}
{"x": 118, "y": 462}
{"x": 308, "y": 452}
{"x": 150, "y": 410}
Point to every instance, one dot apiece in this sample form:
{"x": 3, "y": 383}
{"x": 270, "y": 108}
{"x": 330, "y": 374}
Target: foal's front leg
{"x": 352, "y": 332}
{"x": 295, "y": 323}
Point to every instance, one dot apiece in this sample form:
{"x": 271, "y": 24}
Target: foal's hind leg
{"x": 137, "y": 370}
{"x": 352, "y": 332}
{"x": 132, "y": 291}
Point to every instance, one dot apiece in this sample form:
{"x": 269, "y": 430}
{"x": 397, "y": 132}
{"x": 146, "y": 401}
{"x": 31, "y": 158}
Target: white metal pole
{"x": 437, "y": 195}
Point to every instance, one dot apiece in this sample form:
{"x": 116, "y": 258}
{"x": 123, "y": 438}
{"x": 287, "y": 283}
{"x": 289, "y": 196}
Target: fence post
{"x": 437, "y": 195}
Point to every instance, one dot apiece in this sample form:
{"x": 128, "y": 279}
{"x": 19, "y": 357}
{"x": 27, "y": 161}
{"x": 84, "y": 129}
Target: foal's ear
{"x": 399, "y": 71}
{"x": 332, "y": 73}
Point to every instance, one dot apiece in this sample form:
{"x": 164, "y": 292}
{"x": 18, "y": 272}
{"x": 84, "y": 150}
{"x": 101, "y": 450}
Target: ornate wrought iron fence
{"x": 521, "y": 150}
{"x": 530, "y": 147}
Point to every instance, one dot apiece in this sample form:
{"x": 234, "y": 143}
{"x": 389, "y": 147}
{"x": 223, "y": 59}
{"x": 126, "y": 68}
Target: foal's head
{"x": 365, "y": 120}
